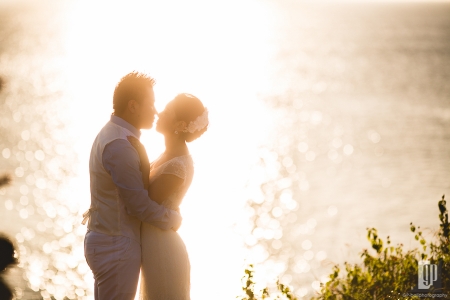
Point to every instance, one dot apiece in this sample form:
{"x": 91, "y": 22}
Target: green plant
{"x": 284, "y": 292}
{"x": 391, "y": 272}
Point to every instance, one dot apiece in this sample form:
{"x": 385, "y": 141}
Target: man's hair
{"x": 131, "y": 86}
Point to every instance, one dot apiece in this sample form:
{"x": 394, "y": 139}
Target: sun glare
{"x": 210, "y": 50}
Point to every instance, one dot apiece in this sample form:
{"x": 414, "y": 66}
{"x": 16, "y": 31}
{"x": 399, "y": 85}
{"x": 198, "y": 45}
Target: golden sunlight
{"x": 210, "y": 50}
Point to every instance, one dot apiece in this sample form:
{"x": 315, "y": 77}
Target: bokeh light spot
{"x": 25, "y": 135}
{"x": 19, "y": 172}
{"x": 39, "y": 155}
{"x": 306, "y": 244}
{"x": 277, "y": 211}
{"x": 302, "y": 147}
{"x": 316, "y": 118}
{"x": 332, "y": 210}
{"x": 348, "y": 149}
{"x": 374, "y": 136}
{"x": 9, "y": 204}
{"x": 311, "y": 223}
{"x": 6, "y": 153}
{"x": 310, "y": 155}
{"x": 321, "y": 255}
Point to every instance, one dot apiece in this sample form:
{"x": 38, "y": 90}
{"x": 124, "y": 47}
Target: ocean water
{"x": 362, "y": 97}
{"x": 326, "y": 119}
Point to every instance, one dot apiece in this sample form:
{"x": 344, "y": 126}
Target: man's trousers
{"x": 115, "y": 262}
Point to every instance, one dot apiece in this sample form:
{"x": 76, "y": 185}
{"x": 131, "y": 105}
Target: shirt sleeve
{"x": 121, "y": 161}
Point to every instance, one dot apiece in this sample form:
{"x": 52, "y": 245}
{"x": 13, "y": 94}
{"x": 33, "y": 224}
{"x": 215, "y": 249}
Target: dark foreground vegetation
{"x": 385, "y": 272}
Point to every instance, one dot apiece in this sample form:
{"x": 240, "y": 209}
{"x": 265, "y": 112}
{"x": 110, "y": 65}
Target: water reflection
{"x": 38, "y": 209}
{"x": 334, "y": 162}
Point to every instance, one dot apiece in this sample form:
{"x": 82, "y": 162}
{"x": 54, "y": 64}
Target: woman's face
{"x": 166, "y": 120}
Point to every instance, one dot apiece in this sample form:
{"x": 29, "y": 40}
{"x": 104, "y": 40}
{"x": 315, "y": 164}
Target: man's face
{"x": 147, "y": 110}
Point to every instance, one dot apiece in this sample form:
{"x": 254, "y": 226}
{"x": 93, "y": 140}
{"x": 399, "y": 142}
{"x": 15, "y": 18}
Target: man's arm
{"x": 121, "y": 160}
{"x": 163, "y": 186}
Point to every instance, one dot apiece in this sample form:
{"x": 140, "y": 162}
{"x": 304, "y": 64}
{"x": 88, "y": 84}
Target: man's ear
{"x": 133, "y": 106}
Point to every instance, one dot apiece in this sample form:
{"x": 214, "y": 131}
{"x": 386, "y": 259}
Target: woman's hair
{"x": 131, "y": 86}
{"x": 188, "y": 108}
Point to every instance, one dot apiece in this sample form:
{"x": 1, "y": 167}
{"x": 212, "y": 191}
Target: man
{"x": 119, "y": 200}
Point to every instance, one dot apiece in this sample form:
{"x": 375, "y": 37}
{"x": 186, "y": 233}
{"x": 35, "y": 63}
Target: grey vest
{"x": 107, "y": 213}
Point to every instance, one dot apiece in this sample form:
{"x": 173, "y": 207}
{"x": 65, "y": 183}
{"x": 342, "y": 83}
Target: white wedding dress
{"x": 165, "y": 267}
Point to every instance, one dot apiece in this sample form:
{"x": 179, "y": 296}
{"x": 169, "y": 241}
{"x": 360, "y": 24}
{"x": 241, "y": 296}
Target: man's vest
{"x": 107, "y": 213}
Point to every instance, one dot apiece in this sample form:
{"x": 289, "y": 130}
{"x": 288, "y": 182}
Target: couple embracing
{"x": 134, "y": 212}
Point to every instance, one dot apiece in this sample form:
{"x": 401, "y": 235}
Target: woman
{"x": 165, "y": 268}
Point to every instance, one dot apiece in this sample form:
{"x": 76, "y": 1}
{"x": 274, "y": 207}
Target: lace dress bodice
{"x": 180, "y": 166}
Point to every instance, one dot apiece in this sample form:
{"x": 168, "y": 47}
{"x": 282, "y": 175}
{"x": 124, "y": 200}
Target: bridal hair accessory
{"x": 199, "y": 123}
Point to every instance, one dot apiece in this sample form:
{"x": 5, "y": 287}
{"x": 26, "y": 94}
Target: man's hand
{"x": 145, "y": 164}
{"x": 176, "y": 227}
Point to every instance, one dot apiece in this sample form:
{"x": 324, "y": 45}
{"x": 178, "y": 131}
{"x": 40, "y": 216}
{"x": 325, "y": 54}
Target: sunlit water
{"x": 325, "y": 120}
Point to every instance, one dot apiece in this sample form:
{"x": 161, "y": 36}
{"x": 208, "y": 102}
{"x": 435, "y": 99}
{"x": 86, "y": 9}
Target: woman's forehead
{"x": 168, "y": 105}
